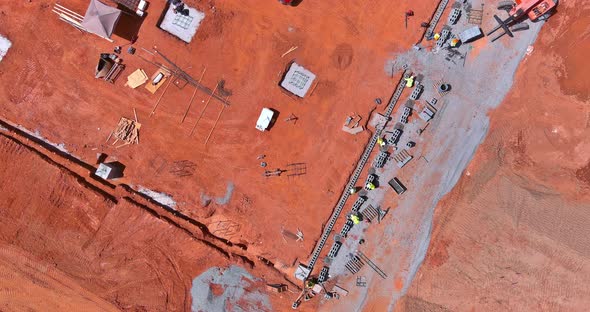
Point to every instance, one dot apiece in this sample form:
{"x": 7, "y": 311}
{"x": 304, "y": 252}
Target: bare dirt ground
{"x": 513, "y": 234}
{"x": 111, "y": 252}
{"x": 344, "y": 43}
{"x": 69, "y": 240}
{"x": 49, "y": 89}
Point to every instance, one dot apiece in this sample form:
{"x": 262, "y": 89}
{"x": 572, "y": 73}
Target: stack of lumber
{"x": 128, "y": 131}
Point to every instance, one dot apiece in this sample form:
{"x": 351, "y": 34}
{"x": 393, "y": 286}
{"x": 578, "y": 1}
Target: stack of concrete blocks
{"x": 347, "y": 226}
{"x": 323, "y": 275}
{"x": 434, "y": 21}
{"x": 454, "y": 16}
{"x": 405, "y": 115}
{"x": 334, "y": 250}
{"x": 416, "y": 92}
{"x": 444, "y": 35}
{"x": 370, "y": 179}
{"x": 402, "y": 158}
{"x": 358, "y": 203}
{"x": 380, "y": 159}
{"x": 427, "y": 113}
{"x": 395, "y": 136}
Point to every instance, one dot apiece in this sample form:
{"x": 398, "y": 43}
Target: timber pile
{"x": 127, "y": 131}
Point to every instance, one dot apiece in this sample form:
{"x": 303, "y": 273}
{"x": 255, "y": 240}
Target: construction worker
{"x": 409, "y": 81}
{"x": 381, "y": 142}
{"x": 370, "y": 186}
{"x": 436, "y": 36}
{"x": 354, "y": 189}
{"x": 454, "y": 42}
{"x": 355, "y": 219}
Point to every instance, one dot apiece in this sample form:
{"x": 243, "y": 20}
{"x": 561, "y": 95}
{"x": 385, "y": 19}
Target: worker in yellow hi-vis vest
{"x": 409, "y": 81}
{"x": 355, "y": 219}
{"x": 370, "y": 186}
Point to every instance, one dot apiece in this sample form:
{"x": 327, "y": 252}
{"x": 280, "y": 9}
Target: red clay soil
{"x": 48, "y": 85}
{"x": 67, "y": 246}
{"x": 514, "y": 233}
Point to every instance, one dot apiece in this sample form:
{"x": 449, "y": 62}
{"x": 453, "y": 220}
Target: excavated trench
{"x": 193, "y": 228}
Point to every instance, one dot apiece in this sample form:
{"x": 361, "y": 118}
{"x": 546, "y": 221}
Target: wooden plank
{"x": 109, "y": 137}
{"x": 192, "y": 97}
{"x": 63, "y": 8}
{"x": 203, "y": 110}
{"x": 215, "y": 124}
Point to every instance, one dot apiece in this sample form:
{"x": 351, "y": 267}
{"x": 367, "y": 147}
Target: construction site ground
{"x": 208, "y": 206}
{"x": 513, "y": 235}
{"x": 49, "y": 90}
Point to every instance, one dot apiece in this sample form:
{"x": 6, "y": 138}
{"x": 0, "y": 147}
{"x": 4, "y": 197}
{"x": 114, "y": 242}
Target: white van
{"x": 264, "y": 119}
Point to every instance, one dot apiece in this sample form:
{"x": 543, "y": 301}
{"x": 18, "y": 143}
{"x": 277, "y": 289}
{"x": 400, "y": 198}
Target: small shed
{"x": 109, "y": 171}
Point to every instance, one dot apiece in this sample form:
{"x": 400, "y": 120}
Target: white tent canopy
{"x": 100, "y": 18}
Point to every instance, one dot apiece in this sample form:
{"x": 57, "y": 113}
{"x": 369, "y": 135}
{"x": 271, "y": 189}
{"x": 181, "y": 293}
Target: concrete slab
{"x": 378, "y": 120}
{"x": 470, "y": 34}
{"x": 354, "y": 130}
{"x": 302, "y": 272}
{"x": 298, "y": 80}
{"x": 5, "y": 44}
{"x": 183, "y": 27}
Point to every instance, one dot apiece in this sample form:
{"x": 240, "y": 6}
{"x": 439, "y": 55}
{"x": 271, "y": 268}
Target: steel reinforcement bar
{"x": 357, "y": 172}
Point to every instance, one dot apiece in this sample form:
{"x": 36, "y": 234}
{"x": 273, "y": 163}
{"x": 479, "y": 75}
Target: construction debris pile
{"x": 127, "y": 131}
{"x": 109, "y": 67}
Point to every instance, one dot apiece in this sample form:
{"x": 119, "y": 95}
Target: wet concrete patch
{"x": 231, "y": 289}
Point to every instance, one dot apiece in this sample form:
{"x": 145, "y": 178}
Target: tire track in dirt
{"x": 194, "y": 228}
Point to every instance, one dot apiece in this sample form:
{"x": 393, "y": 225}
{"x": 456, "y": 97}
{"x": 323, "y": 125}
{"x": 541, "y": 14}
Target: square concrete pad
{"x": 183, "y": 27}
{"x": 298, "y": 80}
